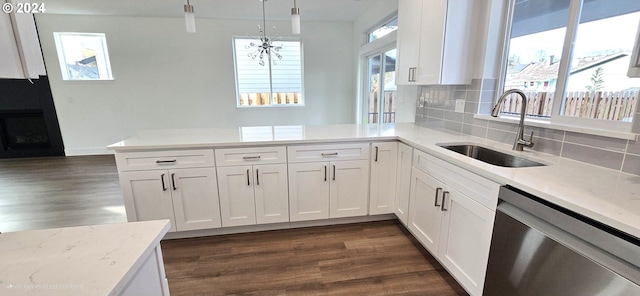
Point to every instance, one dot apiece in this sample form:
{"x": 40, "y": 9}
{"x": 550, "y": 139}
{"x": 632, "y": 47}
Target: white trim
{"x": 561, "y": 127}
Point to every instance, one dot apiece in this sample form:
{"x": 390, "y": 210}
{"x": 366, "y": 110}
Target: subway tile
{"x": 547, "y": 133}
{"x": 634, "y": 147}
{"x": 474, "y": 130}
{"x": 596, "y": 141}
{"x": 459, "y": 95}
{"x": 599, "y": 157}
{"x": 452, "y": 125}
{"x": 489, "y": 84}
{"x": 461, "y": 87}
{"x": 470, "y": 107}
{"x": 505, "y": 126}
{"x": 436, "y": 113}
{"x": 501, "y": 136}
{"x": 473, "y": 96}
{"x": 434, "y": 122}
{"x": 631, "y": 164}
{"x": 547, "y": 146}
{"x": 453, "y": 116}
{"x": 476, "y": 84}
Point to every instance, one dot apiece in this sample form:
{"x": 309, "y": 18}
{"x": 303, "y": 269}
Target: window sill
{"x": 561, "y": 127}
{"x": 266, "y": 107}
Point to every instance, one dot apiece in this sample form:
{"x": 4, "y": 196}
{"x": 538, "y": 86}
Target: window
{"x": 573, "y": 72}
{"x": 276, "y": 83}
{"x": 83, "y": 56}
{"x": 383, "y": 30}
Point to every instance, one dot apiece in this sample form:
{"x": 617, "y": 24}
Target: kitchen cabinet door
{"x": 271, "y": 193}
{"x": 308, "y": 191}
{"x": 403, "y": 182}
{"x": 237, "y": 206}
{"x": 147, "y": 196}
{"x": 408, "y": 40}
{"x": 425, "y": 215}
{"x": 383, "y": 178}
{"x": 195, "y": 198}
{"x": 349, "y": 188}
{"x": 465, "y": 240}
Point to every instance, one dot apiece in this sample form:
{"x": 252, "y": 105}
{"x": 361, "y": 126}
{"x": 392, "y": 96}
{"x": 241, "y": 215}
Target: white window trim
{"x": 62, "y": 60}
{"x": 613, "y": 129}
{"x": 263, "y": 107}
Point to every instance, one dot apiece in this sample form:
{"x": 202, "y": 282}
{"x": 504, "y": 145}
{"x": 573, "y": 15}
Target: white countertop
{"x": 602, "y": 194}
{"x": 84, "y": 260}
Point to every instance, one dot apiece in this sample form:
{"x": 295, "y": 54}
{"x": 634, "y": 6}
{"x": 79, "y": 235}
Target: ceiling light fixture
{"x": 189, "y": 18}
{"x": 295, "y": 19}
{"x": 264, "y": 48}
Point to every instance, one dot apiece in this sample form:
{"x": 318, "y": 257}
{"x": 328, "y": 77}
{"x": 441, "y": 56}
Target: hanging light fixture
{"x": 264, "y": 49}
{"x": 295, "y": 19}
{"x": 189, "y": 18}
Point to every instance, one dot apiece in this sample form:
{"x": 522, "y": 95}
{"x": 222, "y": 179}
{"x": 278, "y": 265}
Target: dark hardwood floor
{"x": 49, "y": 192}
{"x": 377, "y": 258}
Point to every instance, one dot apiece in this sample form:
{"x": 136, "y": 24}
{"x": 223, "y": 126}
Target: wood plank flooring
{"x": 49, "y": 192}
{"x": 378, "y": 258}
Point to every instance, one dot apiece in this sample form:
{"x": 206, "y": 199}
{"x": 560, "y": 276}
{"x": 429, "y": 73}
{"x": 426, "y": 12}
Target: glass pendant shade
{"x": 189, "y": 18}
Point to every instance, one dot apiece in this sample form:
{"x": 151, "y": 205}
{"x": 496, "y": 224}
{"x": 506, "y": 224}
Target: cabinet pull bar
{"x": 166, "y": 161}
{"x": 444, "y": 196}
{"x": 173, "y": 181}
{"x": 330, "y": 154}
{"x": 251, "y": 157}
{"x": 438, "y": 190}
{"x": 257, "y": 177}
{"x": 334, "y": 172}
{"x": 376, "y": 159}
{"x": 164, "y": 187}
{"x": 248, "y": 180}
{"x": 325, "y": 173}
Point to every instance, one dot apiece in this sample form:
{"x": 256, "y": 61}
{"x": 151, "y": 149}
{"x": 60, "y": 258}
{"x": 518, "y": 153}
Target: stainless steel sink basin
{"x": 491, "y": 156}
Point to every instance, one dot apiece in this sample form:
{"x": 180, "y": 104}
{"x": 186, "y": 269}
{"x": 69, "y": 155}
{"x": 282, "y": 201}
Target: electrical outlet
{"x": 460, "y": 106}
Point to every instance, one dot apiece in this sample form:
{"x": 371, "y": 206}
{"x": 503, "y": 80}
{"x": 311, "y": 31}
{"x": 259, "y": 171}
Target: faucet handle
{"x": 531, "y": 137}
{"x": 529, "y": 143}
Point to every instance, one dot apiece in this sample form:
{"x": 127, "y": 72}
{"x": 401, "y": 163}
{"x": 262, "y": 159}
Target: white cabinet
{"x": 187, "y": 197}
{"x": 177, "y": 185}
{"x": 403, "y": 182}
{"x": 435, "y": 41}
{"x": 451, "y": 215}
{"x": 253, "y": 194}
{"x": 384, "y": 157}
{"x": 253, "y": 185}
{"x": 322, "y": 190}
{"x": 20, "y": 47}
{"x": 328, "y": 181}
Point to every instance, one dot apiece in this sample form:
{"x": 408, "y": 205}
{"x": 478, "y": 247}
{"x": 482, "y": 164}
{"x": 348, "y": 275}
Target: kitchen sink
{"x": 491, "y": 156}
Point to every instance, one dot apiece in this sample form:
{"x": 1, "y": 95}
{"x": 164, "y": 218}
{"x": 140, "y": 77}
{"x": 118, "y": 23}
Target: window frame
{"x": 600, "y": 127}
{"x": 57, "y": 36}
{"x": 237, "y": 86}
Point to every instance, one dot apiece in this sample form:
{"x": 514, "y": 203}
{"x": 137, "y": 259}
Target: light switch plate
{"x": 460, "y": 105}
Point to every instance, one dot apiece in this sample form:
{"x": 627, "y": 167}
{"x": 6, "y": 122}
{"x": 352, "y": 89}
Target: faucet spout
{"x": 520, "y": 142}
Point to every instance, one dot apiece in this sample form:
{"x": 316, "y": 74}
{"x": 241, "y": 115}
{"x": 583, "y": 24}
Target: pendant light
{"x": 189, "y": 18}
{"x": 295, "y": 19}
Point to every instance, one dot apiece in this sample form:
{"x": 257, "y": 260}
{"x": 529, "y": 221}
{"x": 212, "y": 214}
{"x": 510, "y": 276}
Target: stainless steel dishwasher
{"x": 539, "y": 248}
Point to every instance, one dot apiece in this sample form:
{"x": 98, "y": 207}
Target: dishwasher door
{"x": 530, "y": 256}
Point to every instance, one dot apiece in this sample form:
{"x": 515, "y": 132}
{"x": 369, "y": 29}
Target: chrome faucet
{"x": 520, "y": 142}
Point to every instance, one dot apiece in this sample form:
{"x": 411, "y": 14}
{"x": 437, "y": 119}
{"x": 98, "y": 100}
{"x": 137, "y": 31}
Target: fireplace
{"x": 28, "y": 121}
{"x": 24, "y": 130}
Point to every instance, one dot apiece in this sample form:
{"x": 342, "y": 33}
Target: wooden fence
{"x": 615, "y": 106}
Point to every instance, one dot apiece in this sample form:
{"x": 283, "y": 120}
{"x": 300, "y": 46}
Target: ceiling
{"x": 310, "y": 10}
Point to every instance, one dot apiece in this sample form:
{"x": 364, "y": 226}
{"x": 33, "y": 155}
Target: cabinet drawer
{"x": 478, "y": 188}
{"x": 312, "y": 153}
{"x": 244, "y": 156}
{"x": 152, "y": 160}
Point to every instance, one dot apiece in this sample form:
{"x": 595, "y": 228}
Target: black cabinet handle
{"x": 438, "y": 190}
{"x": 165, "y": 161}
{"x": 334, "y": 172}
{"x": 257, "y": 177}
{"x": 376, "y": 158}
{"x": 325, "y": 173}
{"x": 164, "y": 187}
{"x": 173, "y": 181}
{"x": 248, "y": 180}
{"x": 444, "y": 196}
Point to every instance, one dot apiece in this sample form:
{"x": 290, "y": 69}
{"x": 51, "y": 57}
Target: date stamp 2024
{"x": 23, "y": 7}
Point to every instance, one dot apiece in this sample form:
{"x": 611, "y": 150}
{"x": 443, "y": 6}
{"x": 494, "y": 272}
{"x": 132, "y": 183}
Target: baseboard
{"x": 87, "y": 151}
{"x": 276, "y": 226}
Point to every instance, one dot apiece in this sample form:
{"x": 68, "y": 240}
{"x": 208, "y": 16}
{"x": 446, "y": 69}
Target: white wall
{"x": 166, "y": 78}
